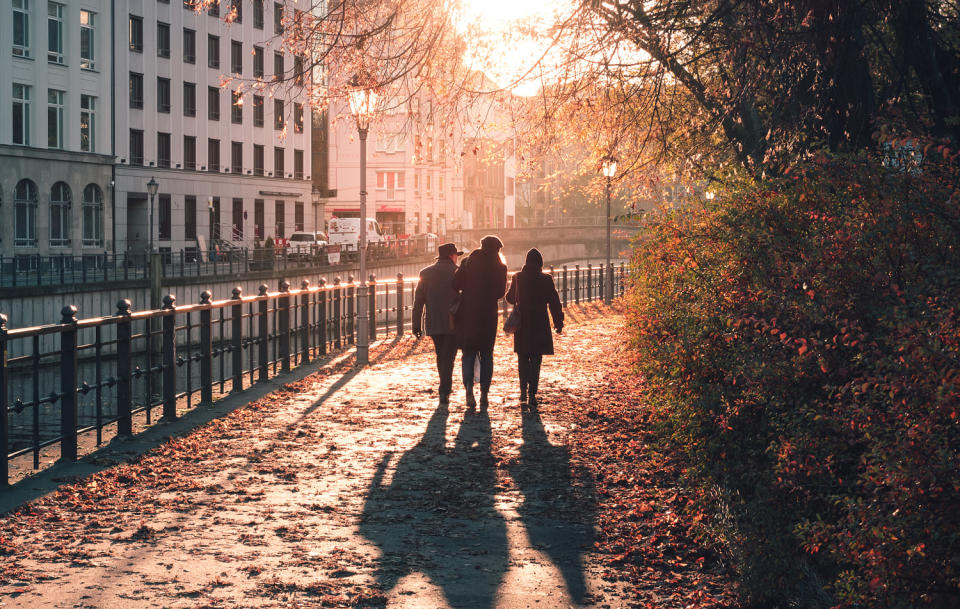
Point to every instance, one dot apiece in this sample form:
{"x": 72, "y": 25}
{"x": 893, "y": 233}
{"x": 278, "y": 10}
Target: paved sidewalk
{"x": 343, "y": 489}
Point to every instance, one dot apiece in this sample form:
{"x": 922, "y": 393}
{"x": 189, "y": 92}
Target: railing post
{"x": 236, "y": 339}
{"x": 68, "y": 384}
{"x": 322, "y": 316}
{"x": 264, "y": 328}
{"x": 284, "y": 318}
{"x": 576, "y": 284}
{"x": 564, "y": 285}
{"x": 589, "y": 282}
{"x": 372, "y": 306}
{"x": 169, "y": 358}
{"x": 4, "y": 405}
{"x": 601, "y": 283}
{"x": 622, "y": 275}
{"x": 305, "y": 321}
{"x": 206, "y": 349}
{"x": 351, "y": 308}
{"x": 337, "y": 320}
{"x": 399, "y": 304}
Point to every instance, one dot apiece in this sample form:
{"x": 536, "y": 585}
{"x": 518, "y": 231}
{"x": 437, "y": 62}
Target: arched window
{"x": 25, "y": 214}
{"x": 60, "y": 215}
{"x": 92, "y": 216}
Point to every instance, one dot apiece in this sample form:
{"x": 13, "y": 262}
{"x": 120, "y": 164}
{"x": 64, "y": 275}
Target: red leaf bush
{"x": 799, "y": 339}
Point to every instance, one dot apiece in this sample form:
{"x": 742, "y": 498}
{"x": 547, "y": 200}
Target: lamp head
{"x": 152, "y": 186}
{"x": 609, "y": 166}
{"x": 363, "y": 103}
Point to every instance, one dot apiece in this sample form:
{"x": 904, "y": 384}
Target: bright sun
{"x": 507, "y": 37}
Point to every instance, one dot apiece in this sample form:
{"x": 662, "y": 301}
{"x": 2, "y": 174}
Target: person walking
{"x": 534, "y": 292}
{"x": 432, "y": 301}
{"x": 481, "y": 281}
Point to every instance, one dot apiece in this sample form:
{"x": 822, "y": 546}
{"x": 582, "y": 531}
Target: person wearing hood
{"x": 534, "y": 293}
{"x": 481, "y": 281}
{"x": 432, "y": 302}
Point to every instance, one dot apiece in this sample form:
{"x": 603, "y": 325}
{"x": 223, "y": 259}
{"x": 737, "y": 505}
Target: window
{"x": 257, "y": 160}
{"x": 236, "y": 57}
{"x": 21, "y": 28}
{"x": 189, "y": 46}
{"x": 278, "y": 213}
{"x": 416, "y": 181}
{"x": 258, "y": 14}
{"x": 88, "y": 123}
{"x": 190, "y": 217}
{"x": 258, "y": 111}
{"x": 277, "y": 18}
{"x": 258, "y": 218}
{"x": 60, "y": 215}
{"x": 136, "y": 147}
{"x": 429, "y": 183}
{"x": 236, "y": 10}
{"x": 440, "y": 192}
{"x": 391, "y": 181}
{"x": 213, "y": 155}
{"x": 278, "y": 161}
{"x": 213, "y": 51}
{"x": 135, "y": 34}
{"x": 298, "y": 164}
{"x": 189, "y": 99}
{"x": 277, "y": 65}
{"x": 298, "y": 70}
{"x": 21, "y": 114}
{"x": 163, "y": 40}
{"x": 88, "y": 40}
{"x": 236, "y": 157}
{"x": 189, "y": 152}
{"x": 213, "y": 103}
{"x": 238, "y": 219}
{"x": 55, "y": 102}
{"x": 278, "y": 114}
{"x": 214, "y": 10}
{"x": 163, "y": 149}
{"x": 298, "y": 217}
{"x": 55, "y": 32}
{"x": 163, "y": 95}
{"x": 164, "y": 217}
{"x": 136, "y": 90}
{"x": 236, "y": 108}
{"x": 509, "y": 186}
{"x": 92, "y": 220}
{"x": 25, "y": 214}
{"x": 297, "y": 118}
{"x": 258, "y": 62}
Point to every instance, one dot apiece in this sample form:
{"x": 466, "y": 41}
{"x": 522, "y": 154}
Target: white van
{"x": 345, "y": 232}
{"x": 305, "y": 245}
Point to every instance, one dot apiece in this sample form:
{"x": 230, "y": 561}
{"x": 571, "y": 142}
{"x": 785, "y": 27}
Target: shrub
{"x": 799, "y": 339}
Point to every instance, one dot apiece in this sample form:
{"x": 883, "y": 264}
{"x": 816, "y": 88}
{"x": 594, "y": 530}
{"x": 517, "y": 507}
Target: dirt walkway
{"x": 344, "y": 489}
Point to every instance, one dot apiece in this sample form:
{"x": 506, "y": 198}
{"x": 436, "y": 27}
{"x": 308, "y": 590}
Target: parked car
{"x": 303, "y": 246}
{"x": 345, "y": 232}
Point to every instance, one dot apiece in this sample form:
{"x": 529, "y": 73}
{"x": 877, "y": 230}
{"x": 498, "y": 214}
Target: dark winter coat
{"x": 537, "y": 293}
{"x": 481, "y": 280}
{"x": 435, "y": 293}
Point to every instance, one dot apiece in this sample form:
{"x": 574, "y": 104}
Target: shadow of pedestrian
{"x": 436, "y": 516}
{"x": 558, "y": 507}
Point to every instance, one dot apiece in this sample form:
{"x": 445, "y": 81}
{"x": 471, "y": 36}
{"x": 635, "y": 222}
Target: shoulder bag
{"x": 512, "y": 324}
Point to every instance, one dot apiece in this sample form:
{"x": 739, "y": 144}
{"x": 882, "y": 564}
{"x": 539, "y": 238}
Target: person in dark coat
{"x": 534, "y": 292}
{"x": 481, "y": 281}
{"x": 434, "y": 295}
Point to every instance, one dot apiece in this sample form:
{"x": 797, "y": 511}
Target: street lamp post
{"x": 609, "y": 168}
{"x": 152, "y": 187}
{"x": 315, "y": 199}
{"x": 363, "y": 101}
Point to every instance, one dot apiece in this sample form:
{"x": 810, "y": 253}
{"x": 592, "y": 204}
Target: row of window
{"x": 56, "y": 118}
{"x": 236, "y": 227}
{"x": 213, "y": 103}
{"x": 213, "y": 155}
{"x": 236, "y": 12}
{"x": 60, "y": 208}
{"x": 392, "y": 181}
{"x": 56, "y": 23}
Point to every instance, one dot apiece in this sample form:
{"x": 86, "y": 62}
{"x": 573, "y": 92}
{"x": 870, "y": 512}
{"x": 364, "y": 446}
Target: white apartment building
{"x": 230, "y": 166}
{"x": 55, "y": 135}
{"x": 100, "y": 96}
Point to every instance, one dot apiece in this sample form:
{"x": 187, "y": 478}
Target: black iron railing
{"x": 79, "y": 377}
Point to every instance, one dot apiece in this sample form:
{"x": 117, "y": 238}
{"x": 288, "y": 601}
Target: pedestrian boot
{"x": 523, "y": 395}
{"x": 444, "y": 399}
{"x": 471, "y": 401}
{"x": 483, "y": 401}
{"x": 533, "y": 400}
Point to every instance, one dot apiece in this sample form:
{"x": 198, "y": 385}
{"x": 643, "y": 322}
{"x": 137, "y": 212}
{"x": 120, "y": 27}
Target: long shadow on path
{"x": 558, "y": 507}
{"x": 436, "y": 516}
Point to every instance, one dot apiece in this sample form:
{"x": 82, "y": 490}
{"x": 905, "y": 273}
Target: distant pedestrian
{"x": 534, "y": 292}
{"x": 432, "y": 300}
{"x": 481, "y": 281}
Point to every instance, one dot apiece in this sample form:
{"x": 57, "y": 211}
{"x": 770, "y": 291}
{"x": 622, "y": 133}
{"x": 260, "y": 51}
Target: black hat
{"x": 448, "y": 249}
{"x": 491, "y": 242}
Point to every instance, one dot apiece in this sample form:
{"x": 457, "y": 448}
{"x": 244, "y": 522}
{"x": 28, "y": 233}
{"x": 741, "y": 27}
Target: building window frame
{"x": 60, "y": 216}
{"x": 236, "y": 157}
{"x": 88, "y": 123}
{"x": 164, "y": 217}
{"x": 88, "y": 40}
{"x": 136, "y": 146}
{"x": 163, "y": 149}
{"x": 213, "y": 51}
{"x": 189, "y": 46}
{"x": 236, "y": 107}
{"x": 91, "y": 230}
{"x": 25, "y": 214}
{"x": 163, "y": 95}
{"x": 136, "y": 90}
{"x": 135, "y": 33}
{"x": 258, "y": 111}
{"x": 189, "y": 99}
{"x": 163, "y": 40}
{"x": 56, "y": 106}
{"x": 213, "y": 103}
{"x": 190, "y": 152}
{"x": 55, "y": 12}
{"x": 21, "y": 28}
{"x": 20, "y": 108}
